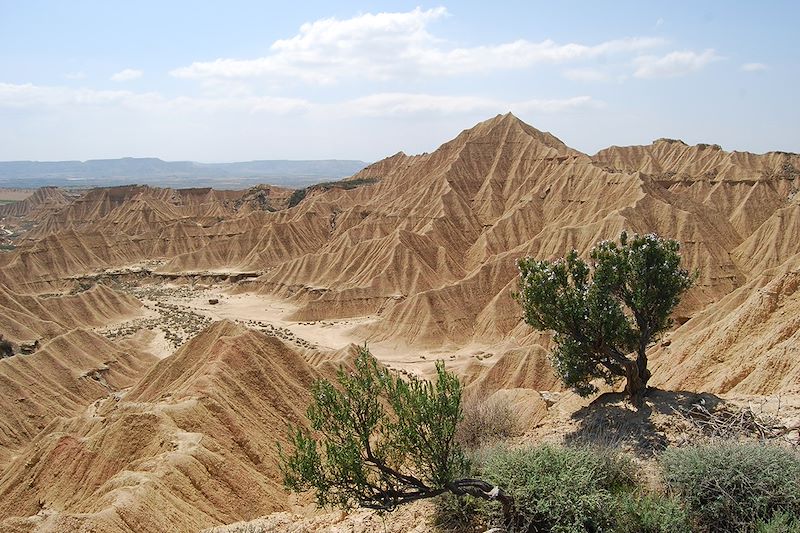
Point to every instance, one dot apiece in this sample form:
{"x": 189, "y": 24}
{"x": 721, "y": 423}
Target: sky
{"x": 245, "y": 80}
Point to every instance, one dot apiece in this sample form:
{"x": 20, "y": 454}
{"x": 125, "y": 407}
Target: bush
{"x": 780, "y": 523}
{"x": 729, "y": 487}
{"x": 561, "y": 489}
{"x": 651, "y": 513}
{"x": 6, "y": 348}
{"x": 465, "y": 514}
{"x": 485, "y": 422}
{"x": 297, "y": 197}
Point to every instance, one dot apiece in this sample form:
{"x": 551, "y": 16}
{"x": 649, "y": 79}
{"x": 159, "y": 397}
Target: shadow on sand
{"x": 610, "y": 420}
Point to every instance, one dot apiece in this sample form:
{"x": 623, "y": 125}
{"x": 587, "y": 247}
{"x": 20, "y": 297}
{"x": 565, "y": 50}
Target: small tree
{"x": 379, "y": 441}
{"x": 605, "y": 315}
{"x": 6, "y": 348}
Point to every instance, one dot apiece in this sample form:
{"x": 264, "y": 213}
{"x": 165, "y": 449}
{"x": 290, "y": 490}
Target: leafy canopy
{"x": 382, "y": 441}
{"x": 604, "y": 311}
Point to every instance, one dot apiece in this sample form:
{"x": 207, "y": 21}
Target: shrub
{"x": 297, "y": 197}
{"x": 780, "y": 523}
{"x": 729, "y": 487}
{"x": 607, "y": 312}
{"x": 6, "y": 348}
{"x": 465, "y": 514}
{"x": 651, "y": 513}
{"x": 561, "y": 489}
{"x": 379, "y": 441}
{"x": 485, "y": 421}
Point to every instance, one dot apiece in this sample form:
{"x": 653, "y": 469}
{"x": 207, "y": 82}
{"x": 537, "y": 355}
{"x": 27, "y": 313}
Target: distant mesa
{"x": 153, "y": 171}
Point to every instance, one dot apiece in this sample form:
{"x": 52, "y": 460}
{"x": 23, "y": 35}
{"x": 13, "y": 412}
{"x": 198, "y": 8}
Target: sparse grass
{"x": 485, "y": 422}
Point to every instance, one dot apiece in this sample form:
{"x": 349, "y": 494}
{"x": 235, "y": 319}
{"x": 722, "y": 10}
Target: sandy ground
{"x": 15, "y": 195}
{"x": 271, "y": 314}
{"x": 173, "y": 314}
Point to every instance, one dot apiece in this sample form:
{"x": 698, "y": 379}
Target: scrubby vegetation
{"x": 6, "y": 348}
{"x": 605, "y": 314}
{"x": 706, "y": 489}
{"x": 729, "y": 487}
{"x": 380, "y": 441}
{"x": 300, "y": 194}
{"x": 484, "y": 422}
{"x": 560, "y": 489}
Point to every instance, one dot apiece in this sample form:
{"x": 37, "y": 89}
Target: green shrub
{"x": 651, "y": 513}
{"x": 561, "y": 489}
{"x": 729, "y": 487}
{"x": 297, "y": 197}
{"x": 465, "y": 514}
{"x": 780, "y": 523}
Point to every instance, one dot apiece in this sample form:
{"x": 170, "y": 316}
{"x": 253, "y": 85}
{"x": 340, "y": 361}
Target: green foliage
{"x": 651, "y": 513}
{"x": 297, "y": 197}
{"x": 561, "y": 489}
{"x": 604, "y": 311}
{"x": 779, "y": 523}
{"x": 459, "y": 515}
{"x": 382, "y": 441}
{"x": 347, "y": 184}
{"x": 728, "y": 487}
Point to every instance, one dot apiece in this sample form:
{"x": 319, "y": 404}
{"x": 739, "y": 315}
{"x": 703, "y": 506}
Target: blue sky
{"x": 239, "y": 80}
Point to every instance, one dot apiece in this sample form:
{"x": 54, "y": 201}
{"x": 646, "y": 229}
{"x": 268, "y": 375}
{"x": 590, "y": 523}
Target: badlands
{"x": 164, "y": 338}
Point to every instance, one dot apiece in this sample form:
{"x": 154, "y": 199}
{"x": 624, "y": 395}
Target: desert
{"x": 349, "y": 267}
{"x": 169, "y": 335}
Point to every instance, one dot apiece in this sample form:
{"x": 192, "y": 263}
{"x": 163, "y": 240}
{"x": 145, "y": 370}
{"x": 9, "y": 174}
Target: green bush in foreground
{"x": 780, "y": 523}
{"x": 730, "y": 487}
{"x": 379, "y": 441}
{"x": 651, "y": 513}
{"x": 561, "y": 489}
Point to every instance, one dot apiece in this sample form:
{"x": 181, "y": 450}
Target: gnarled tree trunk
{"x": 636, "y": 375}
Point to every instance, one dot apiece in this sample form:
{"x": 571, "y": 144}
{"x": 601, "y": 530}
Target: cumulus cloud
{"x": 386, "y": 46}
{"x": 127, "y": 74}
{"x": 753, "y": 67}
{"x": 674, "y": 64}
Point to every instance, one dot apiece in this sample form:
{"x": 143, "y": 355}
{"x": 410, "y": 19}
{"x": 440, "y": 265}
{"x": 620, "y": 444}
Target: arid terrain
{"x": 164, "y": 338}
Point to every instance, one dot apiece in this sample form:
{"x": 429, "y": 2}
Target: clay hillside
{"x": 164, "y": 338}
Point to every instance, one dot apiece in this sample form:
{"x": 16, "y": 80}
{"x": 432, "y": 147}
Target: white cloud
{"x": 380, "y": 104}
{"x": 392, "y": 104}
{"x": 586, "y": 74}
{"x": 127, "y": 75}
{"x": 674, "y": 64}
{"x": 753, "y": 67}
{"x": 29, "y": 95}
{"x": 387, "y": 46}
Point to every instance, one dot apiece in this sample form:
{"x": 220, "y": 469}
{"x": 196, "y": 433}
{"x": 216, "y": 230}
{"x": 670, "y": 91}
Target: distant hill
{"x": 154, "y": 171}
